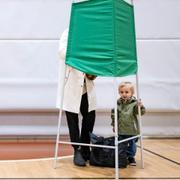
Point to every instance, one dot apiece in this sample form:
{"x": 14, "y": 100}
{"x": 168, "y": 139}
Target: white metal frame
{"x": 115, "y": 147}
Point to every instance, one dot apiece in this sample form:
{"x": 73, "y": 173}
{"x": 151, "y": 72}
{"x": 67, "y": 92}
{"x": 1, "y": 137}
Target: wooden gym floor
{"x": 161, "y": 157}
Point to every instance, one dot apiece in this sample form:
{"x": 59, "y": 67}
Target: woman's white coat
{"x": 74, "y": 82}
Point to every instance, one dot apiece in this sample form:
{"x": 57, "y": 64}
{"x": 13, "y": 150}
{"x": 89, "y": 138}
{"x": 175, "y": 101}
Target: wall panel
{"x": 29, "y": 34}
{"x": 157, "y": 19}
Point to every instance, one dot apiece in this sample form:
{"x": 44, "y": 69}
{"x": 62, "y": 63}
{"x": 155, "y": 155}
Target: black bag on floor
{"x": 104, "y": 156}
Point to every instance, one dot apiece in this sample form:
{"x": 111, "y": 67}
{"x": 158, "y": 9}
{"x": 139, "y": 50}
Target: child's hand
{"x": 139, "y": 103}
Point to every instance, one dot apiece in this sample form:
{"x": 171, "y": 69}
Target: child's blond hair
{"x": 126, "y": 84}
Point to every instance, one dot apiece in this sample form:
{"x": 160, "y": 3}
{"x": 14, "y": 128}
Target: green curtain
{"x": 102, "y": 38}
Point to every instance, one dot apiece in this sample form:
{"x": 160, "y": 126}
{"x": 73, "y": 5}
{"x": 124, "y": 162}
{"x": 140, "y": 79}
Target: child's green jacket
{"x": 127, "y": 116}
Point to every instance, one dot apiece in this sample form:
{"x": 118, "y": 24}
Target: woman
{"x": 79, "y": 97}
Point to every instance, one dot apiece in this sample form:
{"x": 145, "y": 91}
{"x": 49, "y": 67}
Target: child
{"x": 127, "y": 110}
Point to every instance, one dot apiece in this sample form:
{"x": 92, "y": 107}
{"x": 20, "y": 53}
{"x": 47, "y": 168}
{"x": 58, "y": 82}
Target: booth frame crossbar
{"x": 95, "y": 145}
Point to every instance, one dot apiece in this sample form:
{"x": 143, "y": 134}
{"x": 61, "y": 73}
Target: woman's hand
{"x": 91, "y": 77}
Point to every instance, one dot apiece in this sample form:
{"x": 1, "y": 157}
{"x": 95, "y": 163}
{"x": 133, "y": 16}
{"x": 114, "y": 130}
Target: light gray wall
{"x": 29, "y": 34}
{"x": 45, "y": 123}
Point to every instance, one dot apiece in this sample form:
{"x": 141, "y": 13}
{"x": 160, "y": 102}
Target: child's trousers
{"x": 132, "y": 147}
